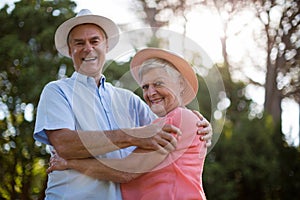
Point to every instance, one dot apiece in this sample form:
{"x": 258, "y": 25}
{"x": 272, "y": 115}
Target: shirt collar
{"x": 102, "y": 81}
{"x": 86, "y": 80}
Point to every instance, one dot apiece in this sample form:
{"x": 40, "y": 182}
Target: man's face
{"x": 87, "y": 48}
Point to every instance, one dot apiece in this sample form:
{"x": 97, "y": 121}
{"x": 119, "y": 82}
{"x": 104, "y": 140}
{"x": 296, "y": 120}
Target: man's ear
{"x": 106, "y": 46}
{"x": 69, "y": 50}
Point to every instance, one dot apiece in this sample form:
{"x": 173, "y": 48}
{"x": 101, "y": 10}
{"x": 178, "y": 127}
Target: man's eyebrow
{"x": 92, "y": 38}
{"x": 96, "y": 37}
{"x": 77, "y": 40}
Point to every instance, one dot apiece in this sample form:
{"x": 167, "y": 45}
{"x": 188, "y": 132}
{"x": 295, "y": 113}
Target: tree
{"x": 250, "y": 175}
{"x": 251, "y": 160}
{"x": 276, "y": 39}
{"x": 283, "y": 53}
{"x": 28, "y": 61}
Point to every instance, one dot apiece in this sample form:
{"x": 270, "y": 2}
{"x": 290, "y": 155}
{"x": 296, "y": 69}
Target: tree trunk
{"x": 273, "y": 96}
{"x": 299, "y": 127}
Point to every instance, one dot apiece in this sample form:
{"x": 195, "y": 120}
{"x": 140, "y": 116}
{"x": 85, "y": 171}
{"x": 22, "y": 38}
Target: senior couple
{"x": 106, "y": 142}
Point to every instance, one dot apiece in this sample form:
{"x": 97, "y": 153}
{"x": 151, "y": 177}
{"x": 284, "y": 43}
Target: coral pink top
{"x": 179, "y": 176}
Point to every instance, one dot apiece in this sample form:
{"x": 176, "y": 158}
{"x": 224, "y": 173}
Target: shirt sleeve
{"x": 186, "y": 121}
{"x": 53, "y": 112}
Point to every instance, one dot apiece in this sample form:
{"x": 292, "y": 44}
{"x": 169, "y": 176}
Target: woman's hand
{"x": 57, "y": 163}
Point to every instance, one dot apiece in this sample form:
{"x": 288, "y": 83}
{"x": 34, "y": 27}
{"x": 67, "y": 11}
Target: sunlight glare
{"x": 28, "y": 112}
{"x": 205, "y": 28}
{"x": 290, "y": 121}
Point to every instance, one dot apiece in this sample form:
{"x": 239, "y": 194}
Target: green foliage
{"x": 243, "y": 162}
{"x": 119, "y": 75}
{"x": 28, "y": 61}
{"x": 251, "y": 160}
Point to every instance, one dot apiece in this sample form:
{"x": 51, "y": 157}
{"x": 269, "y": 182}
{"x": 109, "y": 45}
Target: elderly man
{"x": 85, "y": 116}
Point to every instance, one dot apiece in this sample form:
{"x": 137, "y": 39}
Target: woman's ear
{"x": 182, "y": 84}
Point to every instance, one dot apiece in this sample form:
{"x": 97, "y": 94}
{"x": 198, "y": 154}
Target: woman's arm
{"x": 116, "y": 170}
{"x": 130, "y": 167}
{"x": 90, "y": 167}
{"x": 139, "y": 161}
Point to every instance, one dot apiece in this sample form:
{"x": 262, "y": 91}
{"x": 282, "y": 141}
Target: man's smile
{"x": 89, "y": 59}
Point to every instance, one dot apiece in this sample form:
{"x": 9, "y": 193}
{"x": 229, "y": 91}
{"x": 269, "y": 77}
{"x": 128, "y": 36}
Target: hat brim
{"x": 185, "y": 69}
{"x": 109, "y": 27}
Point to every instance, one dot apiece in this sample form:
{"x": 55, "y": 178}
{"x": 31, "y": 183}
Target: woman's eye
{"x": 158, "y": 83}
{"x": 144, "y": 87}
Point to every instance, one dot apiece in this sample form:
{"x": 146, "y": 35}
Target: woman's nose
{"x": 151, "y": 90}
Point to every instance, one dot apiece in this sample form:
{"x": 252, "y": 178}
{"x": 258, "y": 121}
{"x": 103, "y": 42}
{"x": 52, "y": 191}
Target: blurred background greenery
{"x": 252, "y": 158}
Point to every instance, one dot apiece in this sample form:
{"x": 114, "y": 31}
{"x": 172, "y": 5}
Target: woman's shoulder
{"x": 181, "y": 116}
{"x": 184, "y": 112}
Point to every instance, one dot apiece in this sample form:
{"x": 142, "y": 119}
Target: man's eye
{"x": 95, "y": 42}
{"x": 78, "y": 43}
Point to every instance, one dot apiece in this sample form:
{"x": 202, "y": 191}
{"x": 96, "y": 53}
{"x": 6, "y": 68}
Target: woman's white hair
{"x": 158, "y": 63}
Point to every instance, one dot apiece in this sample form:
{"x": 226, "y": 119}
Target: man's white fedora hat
{"x": 85, "y": 17}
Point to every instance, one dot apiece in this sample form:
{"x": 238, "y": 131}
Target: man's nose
{"x": 88, "y": 47}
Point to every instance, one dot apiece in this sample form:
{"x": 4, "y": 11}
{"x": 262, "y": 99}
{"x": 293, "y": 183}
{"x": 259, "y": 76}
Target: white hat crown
{"x": 84, "y": 12}
{"x": 85, "y": 16}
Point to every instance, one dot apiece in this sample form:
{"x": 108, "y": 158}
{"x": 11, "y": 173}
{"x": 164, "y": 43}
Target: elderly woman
{"x": 169, "y": 84}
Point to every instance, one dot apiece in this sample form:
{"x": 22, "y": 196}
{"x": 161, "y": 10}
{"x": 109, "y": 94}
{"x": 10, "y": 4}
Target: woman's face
{"x": 161, "y": 91}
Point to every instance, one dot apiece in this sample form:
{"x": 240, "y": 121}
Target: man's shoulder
{"x": 58, "y": 85}
{"x": 58, "y": 82}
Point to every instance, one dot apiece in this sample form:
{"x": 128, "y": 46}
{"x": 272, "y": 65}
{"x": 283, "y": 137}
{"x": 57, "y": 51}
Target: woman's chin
{"x": 159, "y": 110}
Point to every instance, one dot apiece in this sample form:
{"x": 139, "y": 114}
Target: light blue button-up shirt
{"x": 77, "y": 103}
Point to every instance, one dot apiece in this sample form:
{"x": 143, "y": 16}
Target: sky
{"x": 121, "y": 12}
{"x": 117, "y": 10}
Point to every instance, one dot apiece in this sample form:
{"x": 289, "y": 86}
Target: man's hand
{"x": 156, "y": 137}
{"x": 205, "y": 129}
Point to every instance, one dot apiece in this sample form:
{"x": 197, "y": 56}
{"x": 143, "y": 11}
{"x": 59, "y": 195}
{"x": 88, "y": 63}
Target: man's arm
{"x": 119, "y": 170}
{"x": 83, "y": 144}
